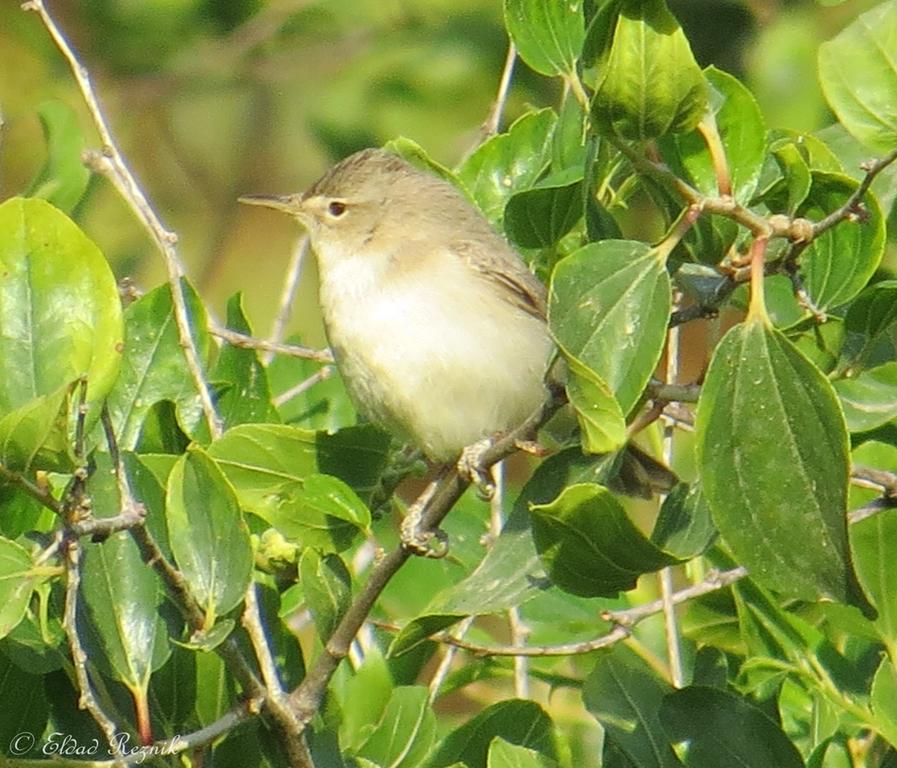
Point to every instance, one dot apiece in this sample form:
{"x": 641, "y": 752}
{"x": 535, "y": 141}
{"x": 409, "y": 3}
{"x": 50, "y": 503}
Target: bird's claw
{"x": 432, "y": 544}
{"x": 470, "y": 466}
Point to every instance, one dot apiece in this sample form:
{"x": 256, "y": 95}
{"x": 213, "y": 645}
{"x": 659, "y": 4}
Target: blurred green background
{"x": 210, "y": 99}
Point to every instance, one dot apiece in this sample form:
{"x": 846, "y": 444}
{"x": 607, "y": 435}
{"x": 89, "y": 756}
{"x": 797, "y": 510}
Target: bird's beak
{"x": 291, "y": 204}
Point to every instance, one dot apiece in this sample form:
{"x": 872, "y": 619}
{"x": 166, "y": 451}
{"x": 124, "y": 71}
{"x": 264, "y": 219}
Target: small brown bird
{"x": 436, "y": 324}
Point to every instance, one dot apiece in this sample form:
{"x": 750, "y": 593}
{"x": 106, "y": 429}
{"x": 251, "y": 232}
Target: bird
{"x": 437, "y": 326}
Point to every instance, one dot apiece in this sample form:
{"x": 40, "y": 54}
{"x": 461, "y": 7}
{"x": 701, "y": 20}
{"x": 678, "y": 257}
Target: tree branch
{"x": 306, "y": 698}
{"x": 237, "y": 339}
{"x": 110, "y": 163}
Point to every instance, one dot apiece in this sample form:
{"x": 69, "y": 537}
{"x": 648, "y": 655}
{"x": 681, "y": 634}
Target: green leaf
{"x": 548, "y": 34}
{"x": 859, "y": 76}
{"x": 870, "y": 398}
{"x": 511, "y": 573}
{"x": 884, "y": 701}
{"x": 871, "y": 319}
{"x": 267, "y": 463}
{"x": 508, "y": 163}
{"x": 588, "y": 544}
{"x": 624, "y": 696}
{"x": 722, "y": 730}
{"x": 207, "y": 534}
{"x": 540, "y": 216}
{"x": 60, "y": 315}
{"x": 772, "y": 451}
{"x": 36, "y": 435}
{"x": 684, "y": 526}
{"x": 502, "y": 754}
{"x": 274, "y": 470}
{"x": 25, "y": 709}
{"x": 598, "y": 412}
{"x": 406, "y": 731}
{"x": 327, "y": 586}
{"x": 650, "y": 83}
{"x": 870, "y": 541}
{"x": 609, "y": 306}
{"x": 838, "y": 263}
{"x": 742, "y": 131}
{"x": 517, "y": 721}
{"x": 153, "y": 366}
{"x": 63, "y": 179}
{"x": 247, "y": 397}
{"x": 16, "y": 584}
{"x": 363, "y": 698}
{"x": 123, "y": 596}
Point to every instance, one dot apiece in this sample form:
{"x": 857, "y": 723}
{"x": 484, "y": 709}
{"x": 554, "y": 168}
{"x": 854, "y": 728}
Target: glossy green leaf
{"x": 63, "y": 179}
{"x": 838, "y": 263}
{"x": 508, "y": 163}
{"x": 60, "y": 315}
{"x": 16, "y": 584}
{"x": 870, "y": 542}
{"x": 624, "y": 695}
{"x": 684, "y": 526}
{"x": 884, "y": 701}
{"x": 25, "y": 709}
{"x": 650, "y": 83}
{"x": 511, "y": 573}
{"x": 207, "y": 534}
{"x": 772, "y": 451}
{"x": 36, "y": 435}
{"x": 871, "y": 325}
{"x": 600, "y": 418}
{"x": 327, "y": 587}
{"x": 246, "y": 396}
{"x": 267, "y": 463}
{"x": 503, "y": 754}
{"x": 540, "y": 216}
{"x": 548, "y": 34}
{"x": 609, "y": 305}
{"x": 870, "y": 398}
{"x": 406, "y": 731}
{"x": 742, "y": 132}
{"x": 859, "y": 76}
{"x": 153, "y": 366}
{"x": 722, "y": 730}
{"x": 516, "y": 721}
{"x": 588, "y": 544}
{"x": 123, "y": 595}
{"x": 215, "y": 688}
{"x": 363, "y": 699}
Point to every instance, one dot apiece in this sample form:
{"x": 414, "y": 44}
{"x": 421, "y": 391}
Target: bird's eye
{"x": 336, "y": 208}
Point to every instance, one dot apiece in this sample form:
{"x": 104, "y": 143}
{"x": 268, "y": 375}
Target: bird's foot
{"x": 470, "y": 466}
{"x": 432, "y": 544}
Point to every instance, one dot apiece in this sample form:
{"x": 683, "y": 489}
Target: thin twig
{"x": 673, "y": 393}
{"x": 110, "y": 162}
{"x": 623, "y": 621}
{"x": 671, "y": 624}
{"x": 276, "y": 700}
{"x": 86, "y": 700}
{"x": 322, "y": 374}
{"x": 448, "y": 657}
{"x": 36, "y": 492}
{"x": 306, "y": 698}
{"x": 879, "y": 479}
{"x": 237, "y": 339}
{"x": 493, "y": 122}
{"x": 851, "y": 205}
{"x": 287, "y": 295}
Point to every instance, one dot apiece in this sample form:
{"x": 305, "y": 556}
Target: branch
{"x": 277, "y": 701}
{"x": 491, "y": 126}
{"x": 237, "y": 339}
{"x": 288, "y": 295}
{"x": 306, "y": 698}
{"x": 852, "y": 206}
{"x": 87, "y": 698}
{"x": 110, "y": 163}
{"x": 37, "y": 492}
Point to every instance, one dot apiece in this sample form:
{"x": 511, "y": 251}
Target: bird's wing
{"x": 496, "y": 261}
